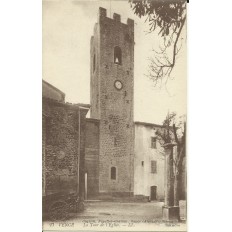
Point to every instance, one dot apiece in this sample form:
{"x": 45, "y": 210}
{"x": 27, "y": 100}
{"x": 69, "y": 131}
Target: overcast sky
{"x": 67, "y": 28}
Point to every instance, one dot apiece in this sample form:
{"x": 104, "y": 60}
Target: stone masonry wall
{"x": 94, "y": 73}
{"x": 92, "y": 157}
{"x": 60, "y": 147}
{"x": 115, "y": 107}
{"x": 52, "y": 92}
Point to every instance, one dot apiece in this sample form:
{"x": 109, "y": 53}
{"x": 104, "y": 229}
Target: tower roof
{"x": 117, "y": 17}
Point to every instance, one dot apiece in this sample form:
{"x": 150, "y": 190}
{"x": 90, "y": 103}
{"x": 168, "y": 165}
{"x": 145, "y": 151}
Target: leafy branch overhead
{"x": 165, "y": 134}
{"x": 171, "y": 132}
{"x": 168, "y": 17}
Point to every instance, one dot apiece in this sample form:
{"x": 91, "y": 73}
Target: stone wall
{"x": 114, "y": 107}
{"x": 94, "y": 74}
{"x": 49, "y": 91}
{"x": 92, "y": 157}
{"x": 61, "y": 147}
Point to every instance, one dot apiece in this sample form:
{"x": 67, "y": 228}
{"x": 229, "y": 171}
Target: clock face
{"x": 118, "y": 85}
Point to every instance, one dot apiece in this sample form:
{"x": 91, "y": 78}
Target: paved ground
{"x": 119, "y": 215}
{"x": 118, "y": 210}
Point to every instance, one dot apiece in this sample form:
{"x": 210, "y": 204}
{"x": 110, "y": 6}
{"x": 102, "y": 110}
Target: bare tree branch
{"x": 163, "y": 66}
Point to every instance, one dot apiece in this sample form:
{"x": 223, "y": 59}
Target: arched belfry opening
{"x": 117, "y": 55}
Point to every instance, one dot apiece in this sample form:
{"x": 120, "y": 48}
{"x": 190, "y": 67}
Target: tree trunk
{"x": 177, "y": 189}
{"x": 170, "y": 211}
{"x": 178, "y": 175}
{"x": 169, "y": 188}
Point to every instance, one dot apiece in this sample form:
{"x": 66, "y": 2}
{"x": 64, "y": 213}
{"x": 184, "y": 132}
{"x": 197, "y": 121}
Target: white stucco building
{"x": 148, "y": 162}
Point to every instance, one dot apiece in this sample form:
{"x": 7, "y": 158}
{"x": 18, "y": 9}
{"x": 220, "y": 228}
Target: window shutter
{"x": 153, "y": 166}
{"x": 153, "y": 142}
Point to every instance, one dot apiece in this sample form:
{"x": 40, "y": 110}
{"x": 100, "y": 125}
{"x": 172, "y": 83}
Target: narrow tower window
{"x": 94, "y": 62}
{"x": 117, "y": 55}
{"x": 113, "y": 173}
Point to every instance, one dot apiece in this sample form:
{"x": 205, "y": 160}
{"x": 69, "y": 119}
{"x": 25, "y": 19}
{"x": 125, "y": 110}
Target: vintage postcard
{"x": 114, "y": 115}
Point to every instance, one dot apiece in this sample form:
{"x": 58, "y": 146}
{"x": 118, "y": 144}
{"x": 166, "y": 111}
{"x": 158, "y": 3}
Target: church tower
{"x": 112, "y": 101}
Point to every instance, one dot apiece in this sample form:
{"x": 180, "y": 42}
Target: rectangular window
{"x": 153, "y": 166}
{"x": 113, "y": 173}
{"x": 153, "y": 142}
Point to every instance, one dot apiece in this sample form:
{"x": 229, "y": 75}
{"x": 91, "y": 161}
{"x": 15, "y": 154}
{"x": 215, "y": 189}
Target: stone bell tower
{"x": 112, "y": 101}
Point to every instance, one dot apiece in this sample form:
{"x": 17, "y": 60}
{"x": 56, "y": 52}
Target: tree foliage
{"x": 174, "y": 131}
{"x": 168, "y": 17}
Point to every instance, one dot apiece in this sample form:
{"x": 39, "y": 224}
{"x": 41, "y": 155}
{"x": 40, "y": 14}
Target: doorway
{"x": 153, "y": 193}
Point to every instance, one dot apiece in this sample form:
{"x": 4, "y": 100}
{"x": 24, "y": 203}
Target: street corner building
{"x": 112, "y": 155}
{"x": 63, "y": 149}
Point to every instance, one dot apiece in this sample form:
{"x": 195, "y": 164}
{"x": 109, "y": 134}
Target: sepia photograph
{"x": 114, "y": 115}
{"x": 135, "y": 127}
